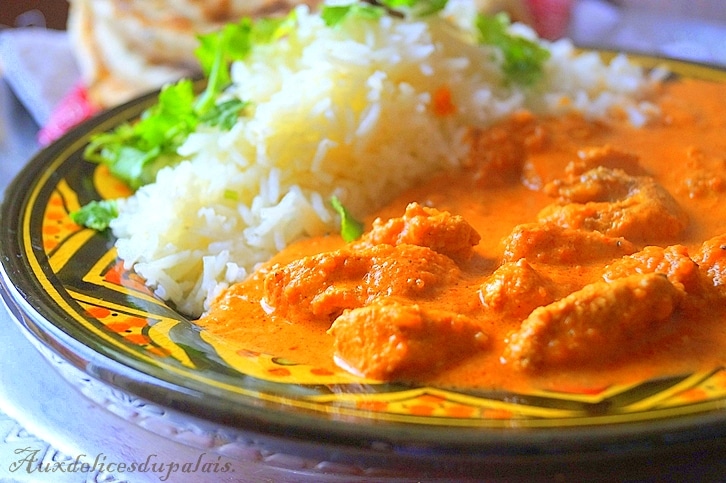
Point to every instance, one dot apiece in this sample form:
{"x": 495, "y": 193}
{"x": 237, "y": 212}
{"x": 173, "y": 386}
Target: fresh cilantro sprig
{"x": 218, "y": 50}
{"x": 419, "y": 8}
{"x": 523, "y": 58}
{"x": 224, "y": 114}
{"x": 334, "y": 15}
{"x": 135, "y": 152}
{"x": 96, "y": 214}
{"x": 350, "y": 228}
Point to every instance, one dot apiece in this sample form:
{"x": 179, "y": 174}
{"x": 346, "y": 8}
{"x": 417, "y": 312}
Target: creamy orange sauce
{"x": 684, "y": 152}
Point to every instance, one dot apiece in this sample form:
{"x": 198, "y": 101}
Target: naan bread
{"x": 128, "y": 47}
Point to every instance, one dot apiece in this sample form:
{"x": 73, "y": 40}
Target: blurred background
{"x": 42, "y": 13}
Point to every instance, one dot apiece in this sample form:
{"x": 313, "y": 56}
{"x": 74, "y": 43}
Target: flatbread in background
{"x": 129, "y": 47}
{"x": 126, "y": 48}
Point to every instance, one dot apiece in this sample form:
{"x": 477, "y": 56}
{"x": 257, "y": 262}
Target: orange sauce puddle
{"x": 685, "y": 151}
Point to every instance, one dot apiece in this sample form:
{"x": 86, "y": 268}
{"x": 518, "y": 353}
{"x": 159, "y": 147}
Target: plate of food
{"x": 405, "y": 235}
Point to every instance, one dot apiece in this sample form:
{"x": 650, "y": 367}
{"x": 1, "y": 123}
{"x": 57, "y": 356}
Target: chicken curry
{"x": 566, "y": 252}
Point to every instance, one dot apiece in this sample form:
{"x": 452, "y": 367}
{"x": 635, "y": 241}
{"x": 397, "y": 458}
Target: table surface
{"x": 42, "y": 416}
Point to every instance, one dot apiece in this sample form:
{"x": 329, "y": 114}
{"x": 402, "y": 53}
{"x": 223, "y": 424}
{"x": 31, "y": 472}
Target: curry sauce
{"x": 564, "y": 253}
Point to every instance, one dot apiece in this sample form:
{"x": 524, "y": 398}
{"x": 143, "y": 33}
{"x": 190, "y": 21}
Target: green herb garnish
{"x": 334, "y": 15}
{"x": 523, "y": 58}
{"x": 350, "y": 228}
{"x": 419, "y": 8}
{"x": 224, "y": 114}
{"x": 134, "y": 152}
{"x": 217, "y": 50}
{"x": 96, "y": 214}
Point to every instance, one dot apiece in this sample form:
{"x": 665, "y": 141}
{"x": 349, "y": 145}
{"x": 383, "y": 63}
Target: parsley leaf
{"x": 225, "y": 114}
{"x": 217, "y": 50}
{"x": 96, "y": 214}
{"x": 373, "y": 9}
{"x": 350, "y": 228}
{"x": 334, "y": 15}
{"x": 135, "y": 152}
{"x": 419, "y": 8}
{"x": 523, "y": 58}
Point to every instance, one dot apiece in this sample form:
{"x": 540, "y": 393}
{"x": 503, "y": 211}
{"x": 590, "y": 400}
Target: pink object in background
{"x": 551, "y": 17}
{"x": 74, "y": 108}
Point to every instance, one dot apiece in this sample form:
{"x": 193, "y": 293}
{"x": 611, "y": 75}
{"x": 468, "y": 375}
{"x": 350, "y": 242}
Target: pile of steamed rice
{"x": 343, "y": 111}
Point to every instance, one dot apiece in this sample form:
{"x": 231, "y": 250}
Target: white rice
{"x": 339, "y": 111}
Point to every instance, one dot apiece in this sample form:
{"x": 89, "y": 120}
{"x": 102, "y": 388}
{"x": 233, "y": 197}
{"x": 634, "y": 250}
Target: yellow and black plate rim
{"x": 74, "y": 295}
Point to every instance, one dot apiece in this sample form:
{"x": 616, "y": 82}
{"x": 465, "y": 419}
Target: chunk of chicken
{"x": 608, "y": 157}
{"x": 441, "y": 231}
{"x": 711, "y": 257}
{"x": 551, "y": 243}
{"x": 392, "y": 341}
{"x": 616, "y": 204}
{"x": 323, "y": 285}
{"x": 516, "y": 288}
{"x": 593, "y": 325}
{"x": 498, "y": 153}
{"x": 673, "y": 261}
{"x": 706, "y": 176}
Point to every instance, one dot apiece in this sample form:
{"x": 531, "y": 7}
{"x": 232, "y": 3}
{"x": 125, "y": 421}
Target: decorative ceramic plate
{"x": 70, "y": 292}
